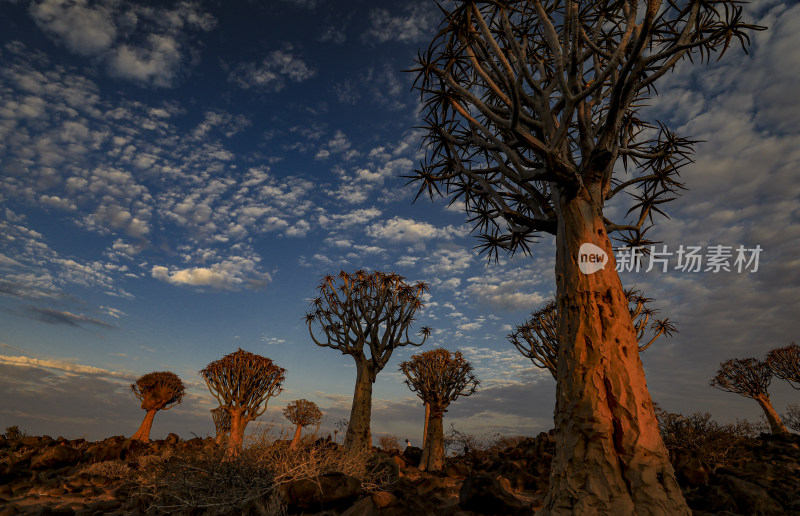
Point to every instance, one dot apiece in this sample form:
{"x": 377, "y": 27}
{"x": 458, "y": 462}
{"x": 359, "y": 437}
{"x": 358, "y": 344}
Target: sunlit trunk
{"x": 358, "y": 435}
{"x": 776, "y": 426}
{"x": 609, "y": 456}
{"x": 238, "y": 424}
{"x": 433, "y": 449}
{"x": 143, "y": 433}
{"x": 296, "y": 438}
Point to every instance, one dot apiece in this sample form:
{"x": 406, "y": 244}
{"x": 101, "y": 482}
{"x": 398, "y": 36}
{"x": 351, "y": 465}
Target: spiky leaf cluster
{"x": 785, "y": 363}
{"x": 303, "y": 413}
{"x": 748, "y": 377}
{"x": 244, "y": 380}
{"x": 159, "y": 390}
{"x": 439, "y": 377}
{"x": 374, "y": 309}
{"x": 537, "y": 337}
{"x": 526, "y": 101}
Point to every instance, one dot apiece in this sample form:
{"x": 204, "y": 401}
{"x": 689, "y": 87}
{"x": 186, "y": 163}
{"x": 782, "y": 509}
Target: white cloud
{"x": 398, "y": 229}
{"x": 232, "y": 274}
{"x": 448, "y": 261}
{"x": 84, "y": 29}
{"x": 272, "y": 72}
{"x": 139, "y": 43}
{"x": 60, "y": 365}
{"x": 415, "y": 24}
{"x": 348, "y": 219}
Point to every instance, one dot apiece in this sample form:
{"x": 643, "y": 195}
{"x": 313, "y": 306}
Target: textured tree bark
{"x": 425, "y": 428}
{"x": 238, "y": 424}
{"x": 296, "y": 438}
{"x": 776, "y": 426}
{"x": 358, "y": 435}
{"x": 143, "y": 433}
{"x": 433, "y": 450}
{"x": 609, "y": 456}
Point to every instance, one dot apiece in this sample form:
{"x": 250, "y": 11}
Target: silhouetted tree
{"x": 749, "y": 377}
{"x": 439, "y": 378}
{"x": 785, "y": 363}
{"x": 222, "y": 422}
{"x": 365, "y": 315}
{"x": 528, "y": 107}
{"x": 157, "y": 391}
{"x": 537, "y": 337}
{"x": 302, "y": 413}
{"x": 243, "y": 383}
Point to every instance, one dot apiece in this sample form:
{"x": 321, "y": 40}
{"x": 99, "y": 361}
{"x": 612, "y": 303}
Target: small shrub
{"x": 14, "y": 433}
{"x": 792, "y": 417}
{"x": 474, "y": 446}
{"x": 709, "y": 440}
{"x": 389, "y": 443}
{"x": 503, "y": 442}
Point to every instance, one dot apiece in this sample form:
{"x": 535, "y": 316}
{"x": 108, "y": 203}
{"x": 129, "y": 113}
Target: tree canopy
{"x": 374, "y": 309}
{"x": 526, "y": 98}
{"x": 244, "y": 380}
{"x": 159, "y": 390}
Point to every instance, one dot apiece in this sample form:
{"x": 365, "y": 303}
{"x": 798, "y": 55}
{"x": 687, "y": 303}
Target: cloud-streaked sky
{"x": 175, "y": 178}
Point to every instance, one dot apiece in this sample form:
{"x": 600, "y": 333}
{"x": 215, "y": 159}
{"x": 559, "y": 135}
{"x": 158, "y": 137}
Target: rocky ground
{"x": 44, "y": 476}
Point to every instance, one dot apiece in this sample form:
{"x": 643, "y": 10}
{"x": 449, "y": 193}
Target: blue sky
{"x": 175, "y": 178}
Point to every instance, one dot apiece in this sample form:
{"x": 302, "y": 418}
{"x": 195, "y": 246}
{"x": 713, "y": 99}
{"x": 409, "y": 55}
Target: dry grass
{"x": 216, "y": 483}
{"x": 107, "y": 468}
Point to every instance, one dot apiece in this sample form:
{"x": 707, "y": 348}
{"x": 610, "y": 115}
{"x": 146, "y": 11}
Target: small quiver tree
{"x": 365, "y": 315}
{"x": 439, "y": 378}
{"x": 157, "y": 391}
{"x": 750, "y": 377}
{"x": 243, "y": 383}
{"x": 222, "y": 422}
{"x": 785, "y": 363}
{"x": 302, "y": 413}
{"x": 537, "y": 337}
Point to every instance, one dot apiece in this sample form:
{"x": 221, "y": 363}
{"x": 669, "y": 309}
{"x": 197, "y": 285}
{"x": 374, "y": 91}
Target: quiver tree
{"x": 537, "y": 337}
{"x": 785, "y": 363}
{"x": 365, "y": 315}
{"x": 222, "y": 422}
{"x": 157, "y": 391}
{"x": 243, "y": 383}
{"x": 528, "y": 106}
{"x": 749, "y": 377}
{"x": 302, "y": 413}
{"x": 439, "y": 378}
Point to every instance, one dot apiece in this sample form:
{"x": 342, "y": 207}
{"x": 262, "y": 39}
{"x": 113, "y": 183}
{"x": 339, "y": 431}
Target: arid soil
{"x": 44, "y": 476}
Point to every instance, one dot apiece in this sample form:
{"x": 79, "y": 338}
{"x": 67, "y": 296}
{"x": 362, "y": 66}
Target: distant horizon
{"x": 176, "y": 179}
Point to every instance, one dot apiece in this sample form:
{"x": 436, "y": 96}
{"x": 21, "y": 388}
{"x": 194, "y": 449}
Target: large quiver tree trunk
{"x": 359, "y": 437}
{"x": 433, "y": 447}
{"x": 609, "y": 456}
